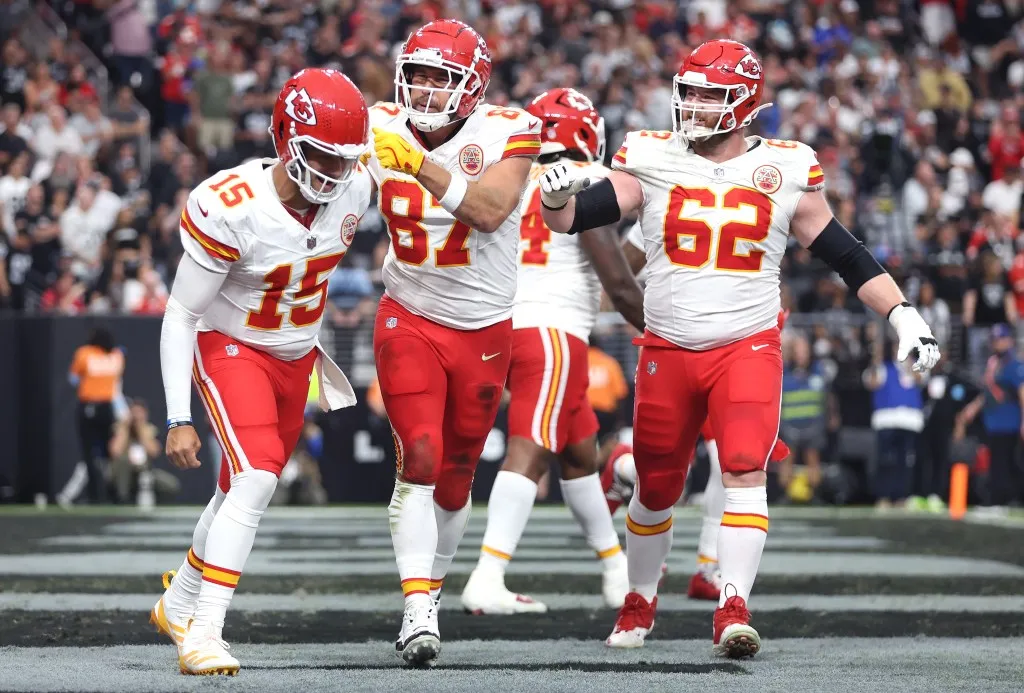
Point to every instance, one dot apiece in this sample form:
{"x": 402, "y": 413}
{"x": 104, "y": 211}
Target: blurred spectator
{"x": 55, "y": 136}
{"x": 897, "y": 419}
{"x": 988, "y": 301}
{"x": 15, "y": 135}
{"x": 14, "y": 188}
{"x": 213, "y": 104}
{"x": 803, "y": 425}
{"x": 607, "y": 389}
{"x": 935, "y": 312}
{"x": 85, "y": 224}
{"x": 1000, "y": 407}
{"x": 65, "y": 297}
{"x": 96, "y": 371}
{"x": 134, "y": 448}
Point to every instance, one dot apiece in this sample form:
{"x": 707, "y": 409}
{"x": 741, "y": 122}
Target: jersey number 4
{"x": 533, "y": 230}
{"x": 314, "y": 281}
{"x": 403, "y": 204}
{"x": 698, "y": 253}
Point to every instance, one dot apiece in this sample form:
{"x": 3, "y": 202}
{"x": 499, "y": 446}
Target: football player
{"x": 450, "y": 170}
{"x": 260, "y": 241}
{"x": 556, "y": 306}
{"x": 716, "y": 209}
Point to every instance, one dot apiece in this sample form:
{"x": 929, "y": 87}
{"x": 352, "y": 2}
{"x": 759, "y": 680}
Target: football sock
{"x": 414, "y": 536}
{"x": 648, "y": 541}
{"x": 508, "y": 509}
{"x": 741, "y": 538}
{"x": 714, "y": 506}
{"x": 586, "y": 500}
{"x": 451, "y": 525}
{"x": 184, "y": 589}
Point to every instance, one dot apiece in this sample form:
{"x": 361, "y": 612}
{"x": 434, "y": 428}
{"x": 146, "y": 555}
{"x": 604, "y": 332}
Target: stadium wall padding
{"x": 39, "y": 415}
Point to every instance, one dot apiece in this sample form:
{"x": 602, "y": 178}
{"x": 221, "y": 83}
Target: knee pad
{"x": 660, "y": 489}
{"x": 454, "y": 488}
{"x": 249, "y": 496}
{"x": 656, "y": 428}
{"x": 743, "y": 461}
{"x": 419, "y": 458}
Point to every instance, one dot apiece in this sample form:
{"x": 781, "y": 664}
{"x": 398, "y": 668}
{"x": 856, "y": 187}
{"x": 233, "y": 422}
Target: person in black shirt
{"x": 987, "y": 302}
{"x": 948, "y": 393}
{"x": 13, "y": 73}
{"x": 11, "y": 143}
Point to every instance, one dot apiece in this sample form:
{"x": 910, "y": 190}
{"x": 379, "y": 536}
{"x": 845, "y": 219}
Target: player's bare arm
{"x": 616, "y": 275}
{"x": 195, "y": 288}
{"x": 487, "y": 202}
{"x": 815, "y": 227}
{"x": 636, "y": 258}
{"x": 570, "y": 204}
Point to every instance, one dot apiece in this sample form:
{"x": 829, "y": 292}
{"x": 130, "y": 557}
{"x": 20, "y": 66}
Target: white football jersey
{"x": 715, "y": 233}
{"x": 275, "y": 293}
{"x": 558, "y": 286}
{"x": 437, "y": 266}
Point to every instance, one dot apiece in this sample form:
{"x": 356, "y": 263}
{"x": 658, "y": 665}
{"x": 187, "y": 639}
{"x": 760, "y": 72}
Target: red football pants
{"x": 441, "y": 388}
{"x": 737, "y": 387}
{"x": 255, "y": 402}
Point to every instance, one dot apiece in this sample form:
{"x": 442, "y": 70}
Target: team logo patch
{"x": 299, "y": 107}
{"x": 767, "y": 179}
{"x": 231, "y": 349}
{"x": 348, "y": 229}
{"x": 749, "y": 67}
{"x": 471, "y": 159}
{"x": 652, "y": 367}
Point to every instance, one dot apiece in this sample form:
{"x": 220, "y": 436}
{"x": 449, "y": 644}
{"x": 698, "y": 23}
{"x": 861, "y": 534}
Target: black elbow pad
{"x": 596, "y": 206}
{"x": 846, "y": 255}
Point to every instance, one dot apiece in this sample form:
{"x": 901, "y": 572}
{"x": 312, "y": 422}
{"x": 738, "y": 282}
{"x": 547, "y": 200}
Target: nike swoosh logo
{"x": 202, "y": 211}
{"x": 758, "y": 347}
{"x": 488, "y": 357}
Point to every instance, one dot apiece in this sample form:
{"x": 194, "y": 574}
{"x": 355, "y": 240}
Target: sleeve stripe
{"x": 815, "y": 179}
{"x": 521, "y": 150}
{"x": 212, "y": 246}
{"x": 620, "y": 156}
{"x": 528, "y": 137}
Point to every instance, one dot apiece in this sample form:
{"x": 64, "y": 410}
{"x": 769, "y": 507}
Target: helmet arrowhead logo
{"x": 749, "y": 67}
{"x": 299, "y": 107}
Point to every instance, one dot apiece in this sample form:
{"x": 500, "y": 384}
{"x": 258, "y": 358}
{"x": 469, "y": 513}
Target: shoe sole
{"x": 535, "y": 608}
{"x": 422, "y": 652}
{"x": 739, "y": 645}
{"x": 216, "y": 671}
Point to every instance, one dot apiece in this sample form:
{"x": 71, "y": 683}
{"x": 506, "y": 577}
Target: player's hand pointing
{"x": 396, "y": 153}
{"x": 558, "y": 184}
{"x": 183, "y": 447}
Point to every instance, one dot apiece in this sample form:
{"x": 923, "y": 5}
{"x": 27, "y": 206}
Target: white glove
{"x": 558, "y": 184}
{"x": 914, "y": 335}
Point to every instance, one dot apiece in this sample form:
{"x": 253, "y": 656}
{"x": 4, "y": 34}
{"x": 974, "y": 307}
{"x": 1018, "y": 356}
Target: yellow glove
{"x": 394, "y": 152}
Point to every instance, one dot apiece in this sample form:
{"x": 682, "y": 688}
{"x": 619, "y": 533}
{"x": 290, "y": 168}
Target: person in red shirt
{"x": 1006, "y": 144}
{"x": 66, "y": 296}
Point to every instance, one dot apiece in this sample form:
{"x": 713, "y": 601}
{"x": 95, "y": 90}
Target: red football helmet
{"x": 448, "y": 45}
{"x": 725, "y": 65}
{"x": 320, "y": 112}
{"x": 570, "y": 123}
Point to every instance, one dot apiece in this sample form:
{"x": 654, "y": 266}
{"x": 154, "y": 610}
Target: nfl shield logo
{"x": 231, "y": 349}
{"x": 652, "y": 367}
{"x": 719, "y": 173}
{"x": 391, "y": 323}
{"x": 311, "y": 242}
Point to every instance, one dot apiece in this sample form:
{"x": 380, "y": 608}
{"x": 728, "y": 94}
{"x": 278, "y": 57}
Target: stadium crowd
{"x": 914, "y": 109}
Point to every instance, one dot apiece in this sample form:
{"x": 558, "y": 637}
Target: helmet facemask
{"x": 320, "y": 187}
{"x": 462, "y": 82}
{"x": 697, "y": 119}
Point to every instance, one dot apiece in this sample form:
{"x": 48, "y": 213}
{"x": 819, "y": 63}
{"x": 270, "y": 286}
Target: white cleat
{"x": 204, "y": 653}
{"x": 634, "y": 624}
{"x": 615, "y": 585}
{"x": 485, "y": 594}
{"x": 168, "y": 620}
{"x": 419, "y": 640}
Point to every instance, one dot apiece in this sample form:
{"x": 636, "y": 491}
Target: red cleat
{"x": 703, "y": 587}
{"x": 733, "y": 636}
{"x": 635, "y": 622}
{"x": 616, "y": 490}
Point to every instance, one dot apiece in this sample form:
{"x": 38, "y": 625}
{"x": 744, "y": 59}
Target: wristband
{"x": 178, "y": 422}
{"x": 454, "y": 195}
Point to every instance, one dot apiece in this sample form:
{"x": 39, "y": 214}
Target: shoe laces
{"x": 734, "y": 608}
{"x": 211, "y": 632}
{"x": 419, "y": 610}
{"x": 635, "y": 613}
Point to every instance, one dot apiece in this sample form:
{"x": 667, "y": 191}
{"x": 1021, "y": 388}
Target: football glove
{"x": 396, "y": 153}
{"x": 558, "y": 184}
{"x": 914, "y": 335}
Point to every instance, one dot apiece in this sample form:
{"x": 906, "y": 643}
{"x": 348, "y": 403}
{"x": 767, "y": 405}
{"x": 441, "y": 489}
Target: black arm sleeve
{"x": 596, "y": 206}
{"x": 846, "y": 255}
